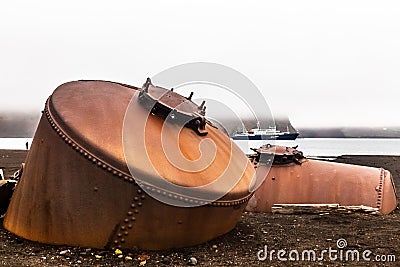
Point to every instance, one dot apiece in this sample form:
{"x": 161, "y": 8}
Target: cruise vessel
{"x": 270, "y": 133}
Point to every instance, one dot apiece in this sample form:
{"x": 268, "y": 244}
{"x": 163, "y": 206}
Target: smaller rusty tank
{"x": 294, "y": 179}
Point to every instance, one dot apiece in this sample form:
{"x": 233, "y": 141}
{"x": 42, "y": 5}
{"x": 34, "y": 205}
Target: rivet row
{"x": 130, "y": 179}
{"x": 79, "y": 149}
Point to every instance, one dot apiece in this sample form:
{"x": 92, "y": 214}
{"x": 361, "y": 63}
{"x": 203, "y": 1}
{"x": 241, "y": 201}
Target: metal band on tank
{"x": 380, "y": 189}
{"x": 126, "y": 176}
{"x": 126, "y": 225}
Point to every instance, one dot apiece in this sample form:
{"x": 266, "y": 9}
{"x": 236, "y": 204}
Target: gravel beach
{"x": 253, "y": 234}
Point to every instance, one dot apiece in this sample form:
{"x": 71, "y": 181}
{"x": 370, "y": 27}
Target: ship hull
{"x": 286, "y": 136}
{"x": 289, "y": 136}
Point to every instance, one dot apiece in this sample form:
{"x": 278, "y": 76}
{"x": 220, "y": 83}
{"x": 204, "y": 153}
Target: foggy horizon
{"x": 321, "y": 64}
{"x": 22, "y": 124}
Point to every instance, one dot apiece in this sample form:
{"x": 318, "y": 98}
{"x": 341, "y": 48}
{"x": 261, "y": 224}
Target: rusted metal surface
{"x": 306, "y": 181}
{"x": 76, "y": 188}
{"x": 168, "y": 104}
{"x": 277, "y": 155}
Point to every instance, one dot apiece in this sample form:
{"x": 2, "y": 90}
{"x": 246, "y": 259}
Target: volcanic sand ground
{"x": 379, "y": 234}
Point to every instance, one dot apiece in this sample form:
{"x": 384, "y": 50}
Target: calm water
{"x": 309, "y": 146}
{"x": 14, "y": 143}
{"x": 334, "y": 146}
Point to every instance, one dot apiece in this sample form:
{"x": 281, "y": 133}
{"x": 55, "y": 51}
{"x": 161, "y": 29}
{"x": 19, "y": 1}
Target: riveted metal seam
{"x": 126, "y": 176}
{"x": 380, "y": 189}
{"x": 130, "y": 218}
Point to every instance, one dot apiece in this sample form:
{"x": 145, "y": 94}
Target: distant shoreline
{"x": 317, "y": 134}
{"x": 23, "y": 125}
{"x": 350, "y": 132}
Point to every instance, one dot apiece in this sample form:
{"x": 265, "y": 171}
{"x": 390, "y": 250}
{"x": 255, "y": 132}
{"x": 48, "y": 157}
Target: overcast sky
{"x": 322, "y": 63}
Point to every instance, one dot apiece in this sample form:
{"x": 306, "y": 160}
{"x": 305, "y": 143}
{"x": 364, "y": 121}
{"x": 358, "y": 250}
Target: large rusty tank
{"x": 294, "y": 179}
{"x": 77, "y": 188}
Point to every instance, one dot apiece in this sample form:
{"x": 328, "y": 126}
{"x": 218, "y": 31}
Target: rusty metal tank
{"x": 76, "y": 187}
{"x": 294, "y": 179}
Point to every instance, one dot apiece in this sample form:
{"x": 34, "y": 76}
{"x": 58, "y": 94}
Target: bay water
{"x": 309, "y": 146}
{"x": 332, "y": 146}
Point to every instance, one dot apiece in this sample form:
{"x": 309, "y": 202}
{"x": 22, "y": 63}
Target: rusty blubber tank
{"x": 76, "y": 187}
{"x": 294, "y": 179}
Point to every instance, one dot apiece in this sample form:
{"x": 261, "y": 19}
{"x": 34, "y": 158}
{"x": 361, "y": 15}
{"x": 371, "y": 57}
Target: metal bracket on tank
{"x": 167, "y": 104}
{"x": 282, "y": 155}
